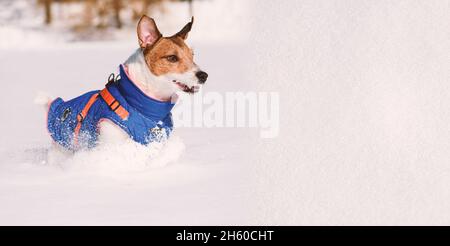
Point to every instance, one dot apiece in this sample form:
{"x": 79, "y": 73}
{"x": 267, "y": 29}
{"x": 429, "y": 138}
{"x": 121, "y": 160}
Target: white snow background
{"x": 364, "y": 122}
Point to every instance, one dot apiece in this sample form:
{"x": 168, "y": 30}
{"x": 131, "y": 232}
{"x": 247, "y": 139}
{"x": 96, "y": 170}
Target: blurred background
{"x": 22, "y": 22}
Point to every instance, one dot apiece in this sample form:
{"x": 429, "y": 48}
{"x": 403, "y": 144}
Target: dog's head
{"x": 169, "y": 58}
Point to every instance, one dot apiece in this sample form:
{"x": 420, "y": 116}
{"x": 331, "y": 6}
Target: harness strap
{"x": 113, "y": 104}
{"x": 82, "y": 115}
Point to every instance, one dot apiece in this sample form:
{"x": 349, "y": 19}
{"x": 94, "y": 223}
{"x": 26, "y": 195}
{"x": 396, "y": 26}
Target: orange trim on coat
{"x": 113, "y": 104}
{"x": 81, "y": 116}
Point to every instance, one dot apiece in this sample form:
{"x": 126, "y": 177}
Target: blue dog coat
{"x": 73, "y": 124}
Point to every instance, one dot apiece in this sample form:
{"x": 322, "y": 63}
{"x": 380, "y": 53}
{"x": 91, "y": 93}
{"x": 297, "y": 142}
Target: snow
{"x": 363, "y": 135}
{"x": 197, "y": 178}
{"x": 364, "y": 122}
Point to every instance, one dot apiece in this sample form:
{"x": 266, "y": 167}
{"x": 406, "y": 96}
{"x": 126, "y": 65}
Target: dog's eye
{"x": 172, "y": 58}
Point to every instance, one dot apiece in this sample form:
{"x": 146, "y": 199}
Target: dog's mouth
{"x": 188, "y": 89}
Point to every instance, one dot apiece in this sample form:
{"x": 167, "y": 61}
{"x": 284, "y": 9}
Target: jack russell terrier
{"x": 136, "y": 103}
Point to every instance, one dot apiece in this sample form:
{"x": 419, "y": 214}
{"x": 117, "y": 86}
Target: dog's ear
{"x": 147, "y": 31}
{"x": 186, "y": 29}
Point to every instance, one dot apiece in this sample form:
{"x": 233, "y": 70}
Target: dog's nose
{"x": 202, "y": 77}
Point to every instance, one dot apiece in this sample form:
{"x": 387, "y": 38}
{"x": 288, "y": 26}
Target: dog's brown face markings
{"x": 165, "y": 54}
{"x": 169, "y": 58}
{"x": 169, "y": 55}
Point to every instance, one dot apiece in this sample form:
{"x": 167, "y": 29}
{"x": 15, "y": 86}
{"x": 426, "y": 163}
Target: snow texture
{"x": 364, "y": 132}
{"x": 364, "y": 122}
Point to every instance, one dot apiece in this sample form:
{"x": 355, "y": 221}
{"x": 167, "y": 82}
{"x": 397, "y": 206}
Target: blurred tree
{"x": 143, "y": 7}
{"x": 89, "y": 14}
{"x": 48, "y": 11}
{"x": 117, "y": 6}
{"x": 104, "y": 13}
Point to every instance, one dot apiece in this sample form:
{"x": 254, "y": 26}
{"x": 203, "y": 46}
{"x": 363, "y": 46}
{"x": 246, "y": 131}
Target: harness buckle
{"x": 114, "y": 105}
{"x": 113, "y": 79}
{"x": 80, "y": 117}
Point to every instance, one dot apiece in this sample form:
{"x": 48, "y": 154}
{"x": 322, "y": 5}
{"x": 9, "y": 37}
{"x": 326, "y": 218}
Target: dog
{"x": 136, "y": 103}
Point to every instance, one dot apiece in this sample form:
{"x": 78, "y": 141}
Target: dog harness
{"x": 74, "y": 124}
